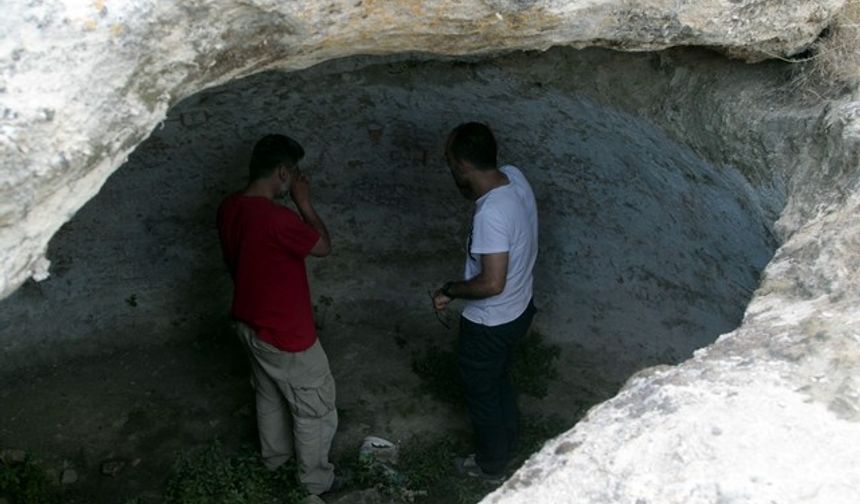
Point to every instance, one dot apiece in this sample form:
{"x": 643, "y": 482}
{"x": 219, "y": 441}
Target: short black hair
{"x": 271, "y": 152}
{"x": 474, "y": 142}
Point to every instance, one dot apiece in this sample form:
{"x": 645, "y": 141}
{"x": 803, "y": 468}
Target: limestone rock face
{"x": 83, "y": 83}
{"x": 768, "y": 413}
{"x": 633, "y": 266}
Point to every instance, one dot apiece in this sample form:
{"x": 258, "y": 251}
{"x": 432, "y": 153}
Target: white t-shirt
{"x": 505, "y": 220}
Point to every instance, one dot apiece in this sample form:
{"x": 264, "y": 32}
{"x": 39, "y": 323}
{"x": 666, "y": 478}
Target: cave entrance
{"x": 648, "y": 251}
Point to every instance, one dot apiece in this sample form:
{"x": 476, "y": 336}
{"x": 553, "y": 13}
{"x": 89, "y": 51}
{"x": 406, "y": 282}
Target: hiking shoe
{"x": 467, "y": 466}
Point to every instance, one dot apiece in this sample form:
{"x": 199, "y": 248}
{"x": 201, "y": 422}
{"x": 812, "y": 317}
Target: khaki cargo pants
{"x": 295, "y": 407}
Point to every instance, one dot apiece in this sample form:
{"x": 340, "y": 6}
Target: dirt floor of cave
{"x": 144, "y": 405}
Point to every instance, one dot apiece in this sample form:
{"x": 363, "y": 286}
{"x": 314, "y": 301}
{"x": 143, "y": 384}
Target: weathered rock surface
{"x": 68, "y": 477}
{"x": 610, "y": 182}
{"x": 113, "y": 467}
{"x": 10, "y": 456}
{"x": 771, "y": 411}
{"x": 634, "y": 266}
{"x": 81, "y": 84}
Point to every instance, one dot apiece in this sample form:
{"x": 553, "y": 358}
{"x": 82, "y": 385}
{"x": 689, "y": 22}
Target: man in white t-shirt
{"x": 497, "y": 286}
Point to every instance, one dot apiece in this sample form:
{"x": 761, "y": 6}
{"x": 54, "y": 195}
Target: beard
{"x": 466, "y": 190}
{"x": 283, "y": 189}
{"x": 462, "y": 186}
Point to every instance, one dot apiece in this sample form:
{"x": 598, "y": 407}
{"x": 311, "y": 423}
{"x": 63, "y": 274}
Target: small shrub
{"x": 426, "y": 474}
{"x": 532, "y": 370}
{"x": 27, "y": 483}
{"x": 439, "y": 373}
{"x": 428, "y": 470}
{"x": 535, "y": 430}
{"x": 534, "y": 365}
{"x": 212, "y": 476}
{"x": 369, "y": 473}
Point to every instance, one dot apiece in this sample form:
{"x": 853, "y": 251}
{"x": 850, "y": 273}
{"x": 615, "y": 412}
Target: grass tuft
{"x": 835, "y": 60}
{"x": 425, "y": 473}
{"x": 440, "y": 376}
{"x": 532, "y": 370}
{"x": 27, "y": 483}
{"x": 212, "y": 476}
{"x": 534, "y": 365}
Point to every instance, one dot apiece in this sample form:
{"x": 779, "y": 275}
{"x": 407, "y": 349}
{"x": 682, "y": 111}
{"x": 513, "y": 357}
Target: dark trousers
{"x": 485, "y": 359}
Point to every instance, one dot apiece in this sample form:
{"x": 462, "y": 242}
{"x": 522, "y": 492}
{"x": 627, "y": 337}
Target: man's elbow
{"x": 322, "y": 248}
{"x": 496, "y": 287}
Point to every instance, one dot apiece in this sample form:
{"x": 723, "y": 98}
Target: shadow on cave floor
{"x": 137, "y": 408}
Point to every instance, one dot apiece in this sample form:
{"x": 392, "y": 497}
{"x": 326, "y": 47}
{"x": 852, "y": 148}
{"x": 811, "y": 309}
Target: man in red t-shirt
{"x": 264, "y": 245}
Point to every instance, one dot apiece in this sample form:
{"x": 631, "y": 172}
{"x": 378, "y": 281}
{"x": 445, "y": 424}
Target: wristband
{"x": 446, "y": 289}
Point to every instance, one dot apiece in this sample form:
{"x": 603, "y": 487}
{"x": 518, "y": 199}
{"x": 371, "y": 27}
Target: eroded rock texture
{"x": 648, "y": 251}
{"x": 84, "y": 82}
{"x": 771, "y": 412}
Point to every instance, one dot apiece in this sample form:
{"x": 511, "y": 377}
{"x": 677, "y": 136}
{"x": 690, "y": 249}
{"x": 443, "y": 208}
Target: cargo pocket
{"x": 314, "y": 402}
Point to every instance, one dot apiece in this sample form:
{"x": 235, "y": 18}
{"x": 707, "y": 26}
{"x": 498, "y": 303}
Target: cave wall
{"x": 771, "y": 411}
{"x": 768, "y": 412}
{"x": 648, "y": 251}
{"x": 82, "y": 84}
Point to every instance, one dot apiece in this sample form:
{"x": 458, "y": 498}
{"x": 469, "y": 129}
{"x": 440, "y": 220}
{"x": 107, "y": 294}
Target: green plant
{"x": 427, "y": 468}
{"x": 211, "y": 475}
{"x": 532, "y": 370}
{"x": 534, "y": 365}
{"x": 27, "y": 483}
{"x": 425, "y": 473}
{"x": 440, "y": 376}
{"x": 535, "y": 430}
{"x": 369, "y": 473}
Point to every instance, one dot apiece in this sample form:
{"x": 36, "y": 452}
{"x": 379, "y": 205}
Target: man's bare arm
{"x": 322, "y": 247}
{"x": 490, "y": 282}
{"x": 300, "y": 192}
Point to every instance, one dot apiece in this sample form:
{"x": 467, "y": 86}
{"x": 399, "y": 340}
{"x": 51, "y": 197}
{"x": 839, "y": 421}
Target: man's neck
{"x": 258, "y": 188}
{"x": 487, "y": 181}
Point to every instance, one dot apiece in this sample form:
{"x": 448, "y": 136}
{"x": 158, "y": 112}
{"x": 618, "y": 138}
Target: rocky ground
{"x": 109, "y": 428}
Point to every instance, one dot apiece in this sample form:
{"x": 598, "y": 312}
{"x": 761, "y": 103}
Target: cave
{"x": 693, "y": 280}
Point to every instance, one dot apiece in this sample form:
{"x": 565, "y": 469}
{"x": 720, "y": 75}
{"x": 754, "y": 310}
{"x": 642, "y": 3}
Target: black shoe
{"x": 467, "y": 466}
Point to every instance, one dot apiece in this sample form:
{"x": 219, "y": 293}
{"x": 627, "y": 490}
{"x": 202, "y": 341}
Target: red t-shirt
{"x": 265, "y": 245}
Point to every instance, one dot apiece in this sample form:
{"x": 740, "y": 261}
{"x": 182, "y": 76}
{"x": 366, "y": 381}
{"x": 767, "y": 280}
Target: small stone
{"x": 69, "y": 476}
{"x": 378, "y": 449}
{"x": 11, "y": 456}
{"x": 52, "y": 475}
{"x": 112, "y": 467}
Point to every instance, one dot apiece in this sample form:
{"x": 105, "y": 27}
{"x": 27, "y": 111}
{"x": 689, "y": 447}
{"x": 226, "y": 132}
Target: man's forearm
{"x": 478, "y": 287}
{"x": 311, "y": 217}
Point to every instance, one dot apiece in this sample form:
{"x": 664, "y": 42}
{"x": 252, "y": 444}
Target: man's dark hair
{"x": 474, "y": 142}
{"x": 273, "y": 151}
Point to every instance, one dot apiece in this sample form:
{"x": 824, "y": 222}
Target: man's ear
{"x": 284, "y": 173}
{"x": 465, "y": 167}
